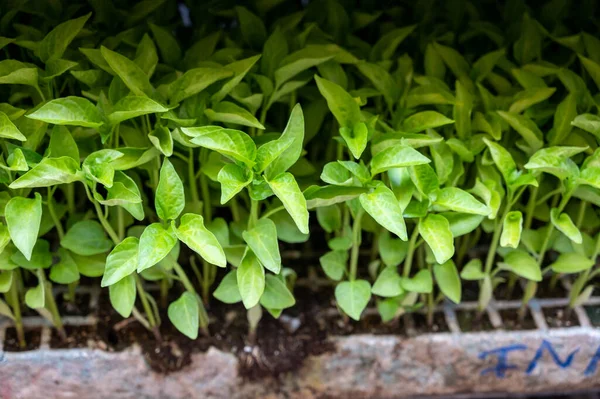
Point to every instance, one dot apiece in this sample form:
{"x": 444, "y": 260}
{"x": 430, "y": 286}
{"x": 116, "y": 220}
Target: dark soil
{"x": 593, "y": 313}
{"x": 545, "y": 292}
{"x": 473, "y": 321}
{"x": 501, "y": 293}
{"x": 511, "y": 321}
{"x": 77, "y": 337}
{"x": 33, "y": 338}
{"x": 79, "y": 307}
{"x": 560, "y": 317}
{"x": 470, "y": 291}
{"x": 416, "y": 323}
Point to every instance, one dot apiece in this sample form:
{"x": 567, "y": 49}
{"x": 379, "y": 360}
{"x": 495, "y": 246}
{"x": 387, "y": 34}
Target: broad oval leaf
{"x": 130, "y": 107}
{"x": 353, "y": 297}
{"x": 511, "y": 229}
{"x": 8, "y": 130}
{"x": 334, "y": 264}
{"x": 262, "y": 240}
{"x": 522, "y": 264}
{"x": 184, "y": 313}
{"x": 228, "y": 291}
{"x": 121, "y": 262}
{"x": 23, "y": 219}
{"x": 436, "y": 232}
{"x": 565, "y": 225}
{"x": 448, "y": 280}
{"x": 425, "y": 120}
{"x": 383, "y": 206}
{"x": 276, "y": 294}
{"x": 233, "y": 179}
{"x": 232, "y": 143}
{"x": 70, "y": 110}
{"x": 130, "y": 73}
{"x": 156, "y": 242}
{"x": 122, "y": 295}
{"x": 195, "y": 235}
{"x": 86, "y": 238}
{"x": 250, "y": 279}
{"x": 397, "y": 156}
{"x": 388, "y": 283}
{"x": 49, "y": 172}
{"x": 455, "y": 199}
{"x": 286, "y": 189}
{"x": 421, "y": 282}
{"x": 571, "y": 262}
{"x": 170, "y": 196}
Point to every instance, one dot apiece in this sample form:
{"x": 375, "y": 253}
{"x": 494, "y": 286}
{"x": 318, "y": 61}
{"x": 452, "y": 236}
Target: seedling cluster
{"x": 432, "y": 147}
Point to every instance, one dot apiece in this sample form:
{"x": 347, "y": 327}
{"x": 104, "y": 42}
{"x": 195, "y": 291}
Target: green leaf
{"x": 228, "y": 291}
{"x": 565, "y": 225}
{"x": 276, "y": 294}
{"x": 228, "y": 112}
{"x": 448, "y": 280}
{"x": 121, "y": 262}
{"x": 6, "y": 279}
{"x": 455, "y": 199}
{"x": 420, "y": 282}
{"x": 240, "y": 68}
{"x": 23, "y": 219}
{"x": 184, "y": 313}
{"x": 8, "y": 130}
{"x": 65, "y": 271}
{"x": 18, "y": 73}
{"x": 286, "y": 189}
{"x": 334, "y": 264}
{"x": 463, "y": 106}
{"x": 253, "y": 29}
{"x": 233, "y": 179}
{"x": 554, "y": 160}
{"x": 122, "y": 295}
{"x": 162, "y": 139}
{"x": 168, "y": 46}
{"x": 391, "y": 250}
{"x": 588, "y": 122}
{"x": 130, "y": 73}
{"x": 564, "y": 116}
{"x": 250, "y": 279}
{"x": 156, "y": 242}
{"x": 71, "y": 110}
{"x": 353, "y": 297}
{"x": 472, "y": 271}
{"x": 397, "y": 156}
{"x": 425, "y": 120}
{"x": 330, "y": 195}
{"x": 170, "y": 196}
{"x": 345, "y": 109}
{"x": 234, "y": 144}
{"x": 530, "y": 132}
{"x": 262, "y": 240}
{"x": 381, "y": 80}
{"x": 522, "y": 264}
{"x": 424, "y": 178}
{"x": 193, "y": 81}
{"x": 571, "y": 262}
{"x": 62, "y": 144}
{"x": 90, "y": 266}
{"x": 291, "y": 141}
{"x": 86, "y": 238}
{"x": 356, "y": 138}
{"x": 303, "y": 59}
{"x": 55, "y": 43}
{"x": 192, "y": 233}
{"x": 511, "y": 229}
{"x": 462, "y": 223}
{"x": 529, "y": 97}
{"x": 329, "y": 217}
{"x": 387, "y": 44}
{"x": 503, "y": 160}
{"x": 436, "y": 232}
{"x": 388, "y": 283}
{"x": 35, "y": 297}
{"x": 130, "y": 107}
{"x": 40, "y": 257}
{"x": 593, "y": 68}
{"x": 383, "y": 206}
{"x": 49, "y": 172}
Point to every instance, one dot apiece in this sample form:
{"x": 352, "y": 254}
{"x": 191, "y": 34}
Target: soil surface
{"x": 560, "y": 317}
{"x": 473, "y": 321}
{"x": 512, "y": 322}
{"x": 33, "y": 337}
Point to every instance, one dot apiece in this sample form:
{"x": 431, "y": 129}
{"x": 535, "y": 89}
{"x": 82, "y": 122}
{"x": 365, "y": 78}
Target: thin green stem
{"x": 190, "y": 288}
{"x": 581, "y": 213}
{"x": 410, "y": 251}
{"x": 253, "y": 218}
{"x": 271, "y": 212}
{"x": 489, "y": 261}
{"x": 55, "y": 219}
{"x": 144, "y": 300}
{"x": 531, "y": 207}
{"x": 16, "y": 309}
{"x": 51, "y": 303}
{"x": 356, "y": 239}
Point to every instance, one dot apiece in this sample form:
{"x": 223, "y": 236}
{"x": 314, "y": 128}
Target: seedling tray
{"x": 455, "y": 363}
